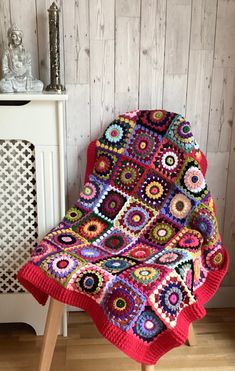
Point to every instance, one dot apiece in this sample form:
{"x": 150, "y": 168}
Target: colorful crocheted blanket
{"x": 140, "y": 249}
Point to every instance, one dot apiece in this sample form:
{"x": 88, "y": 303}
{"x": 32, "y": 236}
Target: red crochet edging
{"x": 41, "y": 286}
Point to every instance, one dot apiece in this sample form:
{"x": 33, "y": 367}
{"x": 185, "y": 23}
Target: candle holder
{"x": 55, "y": 84}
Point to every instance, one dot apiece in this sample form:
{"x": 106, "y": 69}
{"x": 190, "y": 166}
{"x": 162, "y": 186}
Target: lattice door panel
{"x": 18, "y": 210}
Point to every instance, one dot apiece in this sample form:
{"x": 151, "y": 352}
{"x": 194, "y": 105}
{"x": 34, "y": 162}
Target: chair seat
{"x": 140, "y": 250}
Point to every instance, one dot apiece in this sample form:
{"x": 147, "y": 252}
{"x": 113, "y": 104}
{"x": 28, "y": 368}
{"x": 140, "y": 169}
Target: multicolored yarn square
{"x": 114, "y": 241}
{"x": 42, "y": 250}
{"x": 92, "y": 227}
{"x": 60, "y": 266}
{"x": 89, "y": 252}
{"x": 192, "y": 181}
{"x": 134, "y": 217}
{"x": 185, "y": 270}
{"x": 204, "y": 221}
{"x": 141, "y": 251}
{"x": 116, "y": 264}
{"x": 90, "y": 280}
{"x": 178, "y": 206}
{"x": 180, "y": 133}
{"x": 188, "y": 239}
{"x": 148, "y": 325}
{"x": 169, "y": 160}
{"x": 214, "y": 258}
{"x": 142, "y": 145}
{"x": 116, "y": 135}
{"x": 111, "y": 203}
{"x": 91, "y": 193}
{"x": 169, "y": 298}
{"x": 73, "y": 215}
{"x": 161, "y": 231}
{"x": 122, "y": 303}
{"x": 157, "y": 120}
{"x": 127, "y": 175}
{"x": 153, "y": 190}
{"x": 65, "y": 239}
{"x": 104, "y": 164}
{"x": 145, "y": 276}
{"x": 170, "y": 258}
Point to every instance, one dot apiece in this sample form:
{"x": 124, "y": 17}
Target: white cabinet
{"x": 32, "y": 196}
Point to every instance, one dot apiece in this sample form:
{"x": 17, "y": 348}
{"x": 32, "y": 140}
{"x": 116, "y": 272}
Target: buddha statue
{"x": 16, "y": 66}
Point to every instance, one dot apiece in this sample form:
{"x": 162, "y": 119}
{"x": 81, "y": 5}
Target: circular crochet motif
{"x": 42, "y": 250}
{"x": 91, "y": 228}
{"x": 143, "y": 145}
{"x": 116, "y": 264}
{"x": 183, "y": 132}
{"x": 145, "y": 274}
{"x": 73, "y": 215}
{"x": 114, "y": 133}
{"x": 128, "y": 175}
{"x": 90, "y": 281}
{"x": 136, "y": 218}
{"x": 171, "y": 298}
{"x": 154, "y": 190}
{"x": 61, "y": 265}
{"x": 215, "y": 259}
{"x": 116, "y": 241}
{"x": 104, "y": 164}
{"x": 161, "y": 233}
{"x": 148, "y": 325}
{"x": 168, "y": 258}
{"x": 89, "y": 252}
{"x": 89, "y": 193}
{"x": 203, "y": 223}
{"x": 194, "y": 180}
{"x": 169, "y": 160}
{"x": 111, "y": 205}
{"x": 140, "y": 252}
{"x": 65, "y": 238}
{"x": 120, "y": 303}
{"x": 180, "y": 206}
{"x": 157, "y": 120}
{"x": 191, "y": 240}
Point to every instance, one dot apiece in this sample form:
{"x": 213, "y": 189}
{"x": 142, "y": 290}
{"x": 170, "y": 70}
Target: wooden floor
{"x": 85, "y": 350}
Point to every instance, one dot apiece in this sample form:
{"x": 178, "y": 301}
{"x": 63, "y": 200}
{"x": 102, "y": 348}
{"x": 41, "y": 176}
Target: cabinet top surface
{"x": 44, "y": 96}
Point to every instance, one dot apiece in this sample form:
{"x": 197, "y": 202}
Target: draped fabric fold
{"x": 140, "y": 250}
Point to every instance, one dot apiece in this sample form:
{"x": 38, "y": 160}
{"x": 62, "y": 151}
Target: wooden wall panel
{"x": 201, "y": 67}
{"x": 76, "y": 41}
{"x": 176, "y": 55}
{"x": 119, "y": 55}
{"x": 127, "y": 56}
{"x": 78, "y": 137}
{"x": 152, "y": 46}
{"x": 101, "y": 64}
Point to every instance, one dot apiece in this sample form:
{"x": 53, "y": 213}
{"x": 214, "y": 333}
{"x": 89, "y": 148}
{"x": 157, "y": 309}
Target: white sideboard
{"x": 32, "y": 194}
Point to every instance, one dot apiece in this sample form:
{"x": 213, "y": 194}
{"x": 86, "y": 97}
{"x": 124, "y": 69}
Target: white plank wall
{"x": 119, "y": 55}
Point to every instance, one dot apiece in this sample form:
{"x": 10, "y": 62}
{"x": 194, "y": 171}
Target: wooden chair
{"x": 53, "y": 322}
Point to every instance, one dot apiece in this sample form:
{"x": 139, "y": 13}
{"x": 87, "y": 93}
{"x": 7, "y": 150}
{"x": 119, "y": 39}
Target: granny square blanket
{"x": 140, "y": 250}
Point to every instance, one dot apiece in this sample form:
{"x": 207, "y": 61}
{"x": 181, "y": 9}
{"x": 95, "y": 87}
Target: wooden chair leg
{"x": 191, "y": 336}
{"x": 147, "y": 367}
{"x": 53, "y": 322}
